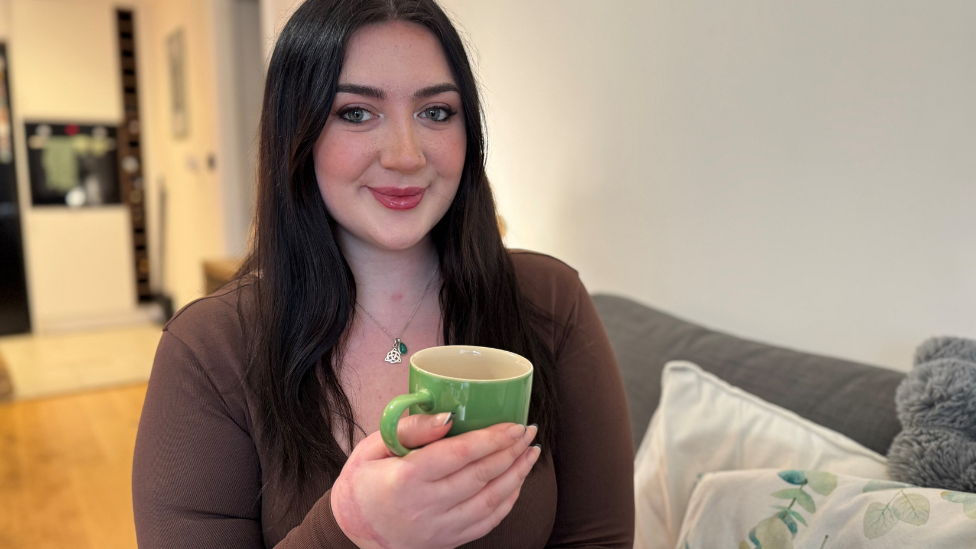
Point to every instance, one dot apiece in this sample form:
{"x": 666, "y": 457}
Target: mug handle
{"x": 391, "y": 418}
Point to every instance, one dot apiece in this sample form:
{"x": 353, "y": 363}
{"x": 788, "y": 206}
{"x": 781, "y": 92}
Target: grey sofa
{"x": 855, "y": 399}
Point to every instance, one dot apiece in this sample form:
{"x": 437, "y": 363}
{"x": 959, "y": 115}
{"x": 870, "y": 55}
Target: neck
{"x": 389, "y": 282}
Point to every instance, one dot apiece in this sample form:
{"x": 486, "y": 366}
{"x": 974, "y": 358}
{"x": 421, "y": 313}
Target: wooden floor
{"x": 66, "y": 468}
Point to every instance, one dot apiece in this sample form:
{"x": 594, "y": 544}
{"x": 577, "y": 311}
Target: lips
{"x": 398, "y": 198}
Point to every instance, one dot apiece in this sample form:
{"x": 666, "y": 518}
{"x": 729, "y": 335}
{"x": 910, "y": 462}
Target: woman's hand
{"x": 445, "y": 494}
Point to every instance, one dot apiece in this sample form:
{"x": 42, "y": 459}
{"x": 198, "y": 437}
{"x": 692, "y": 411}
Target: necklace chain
{"x": 396, "y": 339}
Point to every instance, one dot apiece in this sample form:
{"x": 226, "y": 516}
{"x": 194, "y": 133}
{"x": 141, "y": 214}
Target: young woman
{"x": 376, "y": 226}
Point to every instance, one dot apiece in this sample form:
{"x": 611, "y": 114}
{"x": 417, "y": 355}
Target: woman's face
{"x": 389, "y": 159}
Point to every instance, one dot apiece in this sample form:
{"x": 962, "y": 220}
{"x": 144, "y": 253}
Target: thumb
{"x": 422, "y": 429}
{"x": 413, "y": 431}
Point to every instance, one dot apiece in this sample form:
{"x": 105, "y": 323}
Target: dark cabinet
{"x": 14, "y": 314}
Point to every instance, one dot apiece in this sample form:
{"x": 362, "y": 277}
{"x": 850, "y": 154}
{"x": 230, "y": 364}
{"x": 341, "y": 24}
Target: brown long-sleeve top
{"x": 200, "y": 474}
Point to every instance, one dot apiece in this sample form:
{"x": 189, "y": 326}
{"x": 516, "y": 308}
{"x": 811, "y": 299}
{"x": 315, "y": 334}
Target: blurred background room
{"x": 800, "y": 173}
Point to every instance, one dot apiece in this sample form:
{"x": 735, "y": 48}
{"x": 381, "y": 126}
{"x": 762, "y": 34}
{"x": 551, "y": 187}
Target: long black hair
{"x": 304, "y": 290}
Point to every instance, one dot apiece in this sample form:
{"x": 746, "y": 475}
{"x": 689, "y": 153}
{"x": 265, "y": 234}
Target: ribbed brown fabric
{"x": 201, "y": 472}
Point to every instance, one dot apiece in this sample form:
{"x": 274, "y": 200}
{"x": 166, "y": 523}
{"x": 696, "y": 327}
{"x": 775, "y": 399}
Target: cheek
{"x": 449, "y": 155}
{"x": 341, "y": 159}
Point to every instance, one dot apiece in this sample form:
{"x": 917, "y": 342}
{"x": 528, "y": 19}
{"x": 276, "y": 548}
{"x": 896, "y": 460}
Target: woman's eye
{"x": 356, "y": 115}
{"x": 437, "y": 114}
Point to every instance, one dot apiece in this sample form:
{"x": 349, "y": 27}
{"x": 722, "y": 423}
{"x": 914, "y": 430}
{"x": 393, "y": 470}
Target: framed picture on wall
{"x": 72, "y": 164}
{"x": 179, "y": 114}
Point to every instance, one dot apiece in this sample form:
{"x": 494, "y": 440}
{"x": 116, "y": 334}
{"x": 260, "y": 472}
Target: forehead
{"x": 398, "y": 56}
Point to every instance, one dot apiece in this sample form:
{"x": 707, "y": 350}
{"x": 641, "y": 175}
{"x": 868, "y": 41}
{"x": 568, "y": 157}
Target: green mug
{"x": 481, "y": 385}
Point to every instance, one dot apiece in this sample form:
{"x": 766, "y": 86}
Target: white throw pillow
{"x": 786, "y": 509}
{"x": 703, "y": 425}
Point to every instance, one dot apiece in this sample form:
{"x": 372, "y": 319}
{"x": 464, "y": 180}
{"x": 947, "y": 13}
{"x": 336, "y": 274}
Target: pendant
{"x": 399, "y": 349}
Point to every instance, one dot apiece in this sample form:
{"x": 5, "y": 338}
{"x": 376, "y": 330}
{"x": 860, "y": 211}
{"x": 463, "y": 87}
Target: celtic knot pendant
{"x": 395, "y": 354}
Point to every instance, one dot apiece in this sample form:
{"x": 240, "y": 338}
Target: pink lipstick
{"x": 398, "y": 198}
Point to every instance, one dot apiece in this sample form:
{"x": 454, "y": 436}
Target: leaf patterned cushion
{"x": 770, "y": 509}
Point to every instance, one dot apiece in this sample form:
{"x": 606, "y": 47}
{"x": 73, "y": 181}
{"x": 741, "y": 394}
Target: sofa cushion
{"x": 830, "y": 511}
{"x": 854, "y": 399}
{"x": 704, "y": 425}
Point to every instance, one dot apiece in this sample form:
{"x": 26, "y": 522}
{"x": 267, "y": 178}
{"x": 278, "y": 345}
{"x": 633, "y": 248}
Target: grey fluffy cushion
{"x": 937, "y": 408}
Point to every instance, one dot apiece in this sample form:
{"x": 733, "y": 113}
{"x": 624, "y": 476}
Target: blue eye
{"x": 355, "y": 115}
{"x": 438, "y": 114}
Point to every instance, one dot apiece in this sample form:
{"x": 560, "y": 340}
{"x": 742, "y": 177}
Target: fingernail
{"x": 537, "y": 447}
{"x": 516, "y": 431}
{"x": 536, "y": 427}
{"x": 445, "y": 418}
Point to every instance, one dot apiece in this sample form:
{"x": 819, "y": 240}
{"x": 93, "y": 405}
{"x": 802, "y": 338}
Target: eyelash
{"x": 343, "y": 112}
{"x": 450, "y": 114}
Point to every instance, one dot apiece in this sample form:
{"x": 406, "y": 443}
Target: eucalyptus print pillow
{"x": 771, "y": 509}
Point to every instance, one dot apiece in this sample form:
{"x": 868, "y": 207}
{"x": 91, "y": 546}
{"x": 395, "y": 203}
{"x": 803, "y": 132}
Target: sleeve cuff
{"x": 319, "y": 529}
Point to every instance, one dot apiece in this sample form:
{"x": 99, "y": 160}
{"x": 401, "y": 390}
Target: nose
{"x": 402, "y": 151}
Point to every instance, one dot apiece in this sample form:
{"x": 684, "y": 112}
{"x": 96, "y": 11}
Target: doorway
{"x": 240, "y": 85}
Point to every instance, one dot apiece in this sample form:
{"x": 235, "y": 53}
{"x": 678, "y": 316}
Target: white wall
{"x": 239, "y": 82}
{"x": 274, "y": 15}
{"x": 194, "y": 227}
{"x": 802, "y": 173}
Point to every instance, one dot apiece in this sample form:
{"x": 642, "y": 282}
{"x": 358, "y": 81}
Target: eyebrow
{"x": 376, "y": 93}
{"x": 431, "y": 91}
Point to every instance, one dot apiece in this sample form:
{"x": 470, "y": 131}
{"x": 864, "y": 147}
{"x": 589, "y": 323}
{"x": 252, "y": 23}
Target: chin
{"x": 404, "y": 231}
{"x": 399, "y": 240}
{"x": 387, "y": 230}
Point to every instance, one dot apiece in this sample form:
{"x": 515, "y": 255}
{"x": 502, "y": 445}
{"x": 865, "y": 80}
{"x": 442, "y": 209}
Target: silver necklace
{"x": 399, "y": 348}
